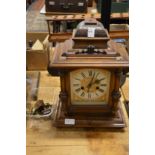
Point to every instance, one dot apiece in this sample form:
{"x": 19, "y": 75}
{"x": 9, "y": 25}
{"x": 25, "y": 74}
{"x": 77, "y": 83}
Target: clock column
{"x": 63, "y": 96}
{"x": 116, "y": 92}
{"x": 63, "y": 93}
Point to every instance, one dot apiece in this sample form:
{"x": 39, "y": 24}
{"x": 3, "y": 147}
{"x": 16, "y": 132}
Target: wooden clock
{"x": 90, "y": 66}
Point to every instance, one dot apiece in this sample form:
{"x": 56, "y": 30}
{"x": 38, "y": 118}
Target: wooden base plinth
{"x": 116, "y": 121}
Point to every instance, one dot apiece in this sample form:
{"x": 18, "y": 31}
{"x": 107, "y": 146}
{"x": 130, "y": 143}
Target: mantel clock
{"x": 90, "y": 66}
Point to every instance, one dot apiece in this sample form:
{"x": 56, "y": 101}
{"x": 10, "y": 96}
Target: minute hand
{"x": 90, "y": 83}
{"x": 97, "y": 81}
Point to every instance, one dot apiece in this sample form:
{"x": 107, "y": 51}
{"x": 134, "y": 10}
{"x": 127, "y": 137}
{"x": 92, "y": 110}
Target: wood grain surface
{"x": 44, "y": 139}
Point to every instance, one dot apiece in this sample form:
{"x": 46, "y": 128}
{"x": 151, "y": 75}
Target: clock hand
{"x": 97, "y": 81}
{"x": 90, "y": 83}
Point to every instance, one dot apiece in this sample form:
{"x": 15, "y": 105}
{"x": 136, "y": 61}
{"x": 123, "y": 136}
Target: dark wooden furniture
{"x": 66, "y": 6}
{"x": 90, "y": 3}
{"x": 57, "y": 36}
{"x": 57, "y": 19}
{"x": 90, "y": 82}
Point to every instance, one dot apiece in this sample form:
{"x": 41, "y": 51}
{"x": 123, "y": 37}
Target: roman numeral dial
{"x": 89, "y": 85}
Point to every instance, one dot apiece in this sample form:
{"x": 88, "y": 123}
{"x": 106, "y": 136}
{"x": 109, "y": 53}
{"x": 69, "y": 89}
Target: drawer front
{"x": 74, "y": 6}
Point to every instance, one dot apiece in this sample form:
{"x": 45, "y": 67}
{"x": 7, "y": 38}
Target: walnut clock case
{"x": 90, "y": 80}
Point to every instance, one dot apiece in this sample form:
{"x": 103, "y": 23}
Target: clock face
{"x": 90, "y": 86}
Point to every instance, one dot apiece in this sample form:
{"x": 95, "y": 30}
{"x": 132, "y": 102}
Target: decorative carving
{"x": 63, "y": 96}
{"x": 90, "y": 51}
{"x": 57, "y": 72}
{"x": 121, "y": 75}
{"x": 115, "y": 99}
{"x": 116, "y": 95}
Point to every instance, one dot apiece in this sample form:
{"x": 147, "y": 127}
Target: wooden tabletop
{"x": 44, "y": 139}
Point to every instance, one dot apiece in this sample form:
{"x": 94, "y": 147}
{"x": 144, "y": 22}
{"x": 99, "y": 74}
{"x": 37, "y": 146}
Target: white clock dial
{"x": 90, "y": 86}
